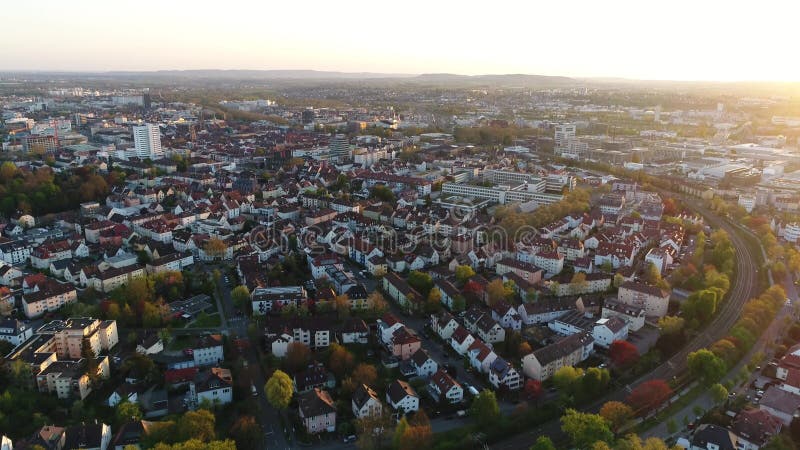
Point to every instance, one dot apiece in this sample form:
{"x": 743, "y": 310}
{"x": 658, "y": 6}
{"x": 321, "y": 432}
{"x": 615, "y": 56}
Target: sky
{"x": 733, "y": 40}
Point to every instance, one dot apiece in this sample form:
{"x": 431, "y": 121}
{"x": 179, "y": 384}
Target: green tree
{"x": 498, "y": 291}
{"x": 543, "y": 443}
{"x": 594, "y": 381}
{"x": 464, "y": 273}
{"x": 434, "y": 301}
{"x": 399, "y": 430}
{"x": 718, "y": 393}
{"x": 7, "y": 171}
{"x": 567, "y": 380}
{"x": 240, "y": 296}
{"x": 672, "y": 426}
{"x": 671, "y": 325}
{"x": 279, "y": 389}
{"x": 706, "y": 366}
{"x": 485, "y": 409}
{"x": 780, "y": 442}
{"x": 197, "y": 425}
{"x": 197, "y": 444}
{"x": 420, "y": 281}
{"x": 128, "y": 411}
{"x": 383, "y": 193}
{"x": 585, "y": 429}
{"x": 459, "y": 303}
{"x": 21, "y": 375}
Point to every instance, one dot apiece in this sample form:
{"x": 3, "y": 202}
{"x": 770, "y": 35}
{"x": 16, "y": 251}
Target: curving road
{"x": 743, "y": 287}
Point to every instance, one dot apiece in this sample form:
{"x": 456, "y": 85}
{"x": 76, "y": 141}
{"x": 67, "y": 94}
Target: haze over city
{"x": 419, "y": 225}
{"x": 678, "y": 40}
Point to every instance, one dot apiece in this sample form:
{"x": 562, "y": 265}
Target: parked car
{"x": 349, "y": 439}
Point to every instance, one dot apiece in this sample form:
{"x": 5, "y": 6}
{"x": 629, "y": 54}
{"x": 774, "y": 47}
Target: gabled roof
{"x": 443, "y": 381}
{"x": 399, "y": 390}
{"x": 363, "y": 394}
{"x": 315, "y": 402}
{"x": 756, "y": 425}
{"x": 714, "y": 434}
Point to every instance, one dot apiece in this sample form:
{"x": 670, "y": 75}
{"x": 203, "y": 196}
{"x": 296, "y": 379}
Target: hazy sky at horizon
{"x": 677, "y": 40}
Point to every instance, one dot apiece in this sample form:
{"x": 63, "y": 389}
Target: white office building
{"x": 147, "y": 142}
{"x": 564, "y": 132}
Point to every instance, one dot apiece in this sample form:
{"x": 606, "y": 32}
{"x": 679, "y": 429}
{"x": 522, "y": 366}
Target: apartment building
{"x": 569, "y": 351}
{"x": 652, "y": 299}
{"x": 49, "y": 297}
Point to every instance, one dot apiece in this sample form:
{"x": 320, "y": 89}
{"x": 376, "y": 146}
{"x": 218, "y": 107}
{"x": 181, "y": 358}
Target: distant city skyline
{"x": 682, "y": 40}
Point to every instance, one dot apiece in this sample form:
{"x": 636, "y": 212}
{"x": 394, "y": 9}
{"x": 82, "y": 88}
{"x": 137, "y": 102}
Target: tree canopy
{"x": 279, "y": 389}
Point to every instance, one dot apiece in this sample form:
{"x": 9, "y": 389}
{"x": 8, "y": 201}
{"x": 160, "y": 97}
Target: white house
{"x": 208, "y": 351}
{"x": 606, "y": 331}
{"x": 502, "y": 375}
{"x": 461, "y": 340}
{"x": 424, "y": 365}
{"x": 366, "y": 402}
{"x": 280, "y": 345}
{"x": 632, "y": 315}
{"x": 14, "y": 331}
{"x": 126, "y": 392}
{"x": 402, "y": 397}
{"x": 481, "y": 356}
{"x": 444, "y": 325}
{"x": 214, "y": 386}
{"x": 443, "y": 388}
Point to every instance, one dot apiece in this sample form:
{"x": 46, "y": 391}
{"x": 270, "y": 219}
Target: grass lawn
{"x": 206, "y": 321}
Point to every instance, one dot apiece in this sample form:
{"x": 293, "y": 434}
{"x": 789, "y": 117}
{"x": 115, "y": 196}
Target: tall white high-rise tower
{"x": 147, "y": 141}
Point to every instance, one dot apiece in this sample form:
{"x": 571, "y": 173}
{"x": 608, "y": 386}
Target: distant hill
{"x": 495, "y": 80}
{"x": 516, "y": 80}
{"x": 261, "y": 74}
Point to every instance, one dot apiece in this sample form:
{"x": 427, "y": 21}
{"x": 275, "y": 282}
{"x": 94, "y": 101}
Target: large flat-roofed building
{"x": 39, "y": 144}
{"x": 265, "y": 299}
{"x": 508, "y": 177}
{"x": 501, "y": 195}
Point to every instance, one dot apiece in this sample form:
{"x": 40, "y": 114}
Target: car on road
{"x": 253, "y": 390}
{"x": 349, "y": 439}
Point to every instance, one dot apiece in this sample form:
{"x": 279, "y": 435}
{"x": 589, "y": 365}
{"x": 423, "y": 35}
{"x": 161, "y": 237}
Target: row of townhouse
{"x": 313, "y": 332}
{"x": 112, "y": 278}
{"x": 543, "y": 363}
{"x": 47, "y": 296}
{"x": 479, "y": 354}
{"x": 401, "y": 292}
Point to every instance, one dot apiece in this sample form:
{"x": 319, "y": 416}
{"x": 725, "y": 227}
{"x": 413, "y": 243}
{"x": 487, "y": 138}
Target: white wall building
{"x": 147, "y": 142}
